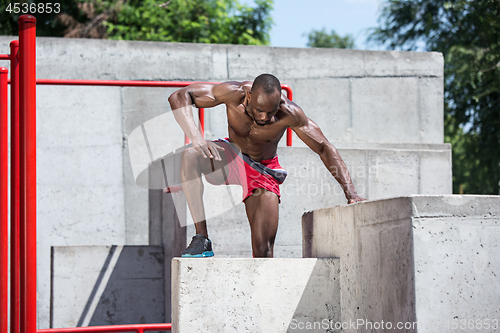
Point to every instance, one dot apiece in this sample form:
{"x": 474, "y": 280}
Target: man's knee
{"x": 263, "y": 248}
{"x": 190, "y": 155}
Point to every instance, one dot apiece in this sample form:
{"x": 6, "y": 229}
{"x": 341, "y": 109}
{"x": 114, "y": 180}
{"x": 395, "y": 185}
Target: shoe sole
{"x": 202, "y": 255}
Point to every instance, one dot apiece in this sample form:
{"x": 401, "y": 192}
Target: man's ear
{"x": 249, "y": 95}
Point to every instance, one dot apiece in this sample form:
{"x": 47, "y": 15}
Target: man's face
{"x": 263, "y": 107}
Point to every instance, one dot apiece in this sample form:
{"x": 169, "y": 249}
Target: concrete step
{"x": 430, "y": 260}
{"x": 254, "y": 295}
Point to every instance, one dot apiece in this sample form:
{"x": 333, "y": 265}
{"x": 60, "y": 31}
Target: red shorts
{"x": 250, "y": 174}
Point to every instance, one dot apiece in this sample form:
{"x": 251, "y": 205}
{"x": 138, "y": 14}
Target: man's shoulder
{"x": 291, "y": 112}
{"x": 232, "y": 91}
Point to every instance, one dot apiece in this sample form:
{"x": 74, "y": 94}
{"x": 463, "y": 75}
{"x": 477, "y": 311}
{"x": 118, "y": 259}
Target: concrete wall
{"x": 254, "y": 295}
{"x": 106, "y": 285}
{"x": 426, "y": 259}
{"x": 86, "y": 192}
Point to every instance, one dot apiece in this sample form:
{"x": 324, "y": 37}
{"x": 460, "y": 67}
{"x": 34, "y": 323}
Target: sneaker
{"x": 200, "y": 246}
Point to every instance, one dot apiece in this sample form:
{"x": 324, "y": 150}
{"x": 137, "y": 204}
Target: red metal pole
{"x": 4, "y": 57}
{"x": 201, "y": 117}
{"x": 110, "y": 328}
{"x": 14, "y": 187}
{"x": 118, "y": 83}
{"x": 289, "y": 95}
{"x": 4, "y": 201}
{"x": 27, "y": 112}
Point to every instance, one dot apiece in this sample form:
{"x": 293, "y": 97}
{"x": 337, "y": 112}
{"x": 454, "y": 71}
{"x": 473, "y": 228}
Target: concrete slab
{"x": 254, "y": 295}
{"x": 428, "y": 262}
{"x": 103, "y": 285}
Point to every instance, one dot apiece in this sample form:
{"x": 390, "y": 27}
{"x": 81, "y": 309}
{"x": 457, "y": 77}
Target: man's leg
{"x": 263, "y": 214}
{"x": 192, "y": 166}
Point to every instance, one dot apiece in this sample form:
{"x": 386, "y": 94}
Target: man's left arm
{"x": 309, "y": 132}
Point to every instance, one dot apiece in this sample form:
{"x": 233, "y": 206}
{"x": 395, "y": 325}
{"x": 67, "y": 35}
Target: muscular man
{"x": 258, "y": 115}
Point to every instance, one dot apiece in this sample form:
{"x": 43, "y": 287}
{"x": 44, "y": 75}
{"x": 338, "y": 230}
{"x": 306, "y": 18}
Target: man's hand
{"x": 355, "y": 198}
{"x": 208, "y": 148}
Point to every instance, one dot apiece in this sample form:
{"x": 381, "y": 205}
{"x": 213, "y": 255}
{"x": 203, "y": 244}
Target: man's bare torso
{"x": 259, "y": 142}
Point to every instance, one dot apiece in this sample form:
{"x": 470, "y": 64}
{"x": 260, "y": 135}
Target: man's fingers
{"x": 201, "y": 151}
{"x": 215, "y": 150}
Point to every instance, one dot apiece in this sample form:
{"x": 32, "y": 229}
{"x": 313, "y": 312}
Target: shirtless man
{"x": 258, "y": 115}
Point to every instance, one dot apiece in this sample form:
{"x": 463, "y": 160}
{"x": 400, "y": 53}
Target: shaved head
{"x": 268, "y": 83}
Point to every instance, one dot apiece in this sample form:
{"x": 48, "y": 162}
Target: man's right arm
{"x": 202, "y": 95}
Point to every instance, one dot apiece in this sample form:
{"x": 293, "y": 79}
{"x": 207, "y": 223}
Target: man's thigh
{"x": 262, "y": 210}
{"x": 216, "y": 171}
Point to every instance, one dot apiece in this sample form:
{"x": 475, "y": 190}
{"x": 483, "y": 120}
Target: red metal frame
{"x": 23, "y": 82}
{"x": 14, "y": 188}
{"x": 164, "y": 84}
{"x": 27, "y": 125}
{"x": 110, "y": 329}
{"x": 4, "y": 200}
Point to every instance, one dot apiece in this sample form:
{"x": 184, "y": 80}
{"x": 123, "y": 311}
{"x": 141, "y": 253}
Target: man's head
{"x": 264, "y": 98}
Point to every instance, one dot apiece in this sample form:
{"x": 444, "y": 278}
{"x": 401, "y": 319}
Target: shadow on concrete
{"x": 134, "y": 293}
{"x": 319, "y": 307}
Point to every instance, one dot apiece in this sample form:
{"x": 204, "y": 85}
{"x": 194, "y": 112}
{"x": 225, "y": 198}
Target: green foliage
{"x": 72, "y": 14}
{"x": 199, "y": 21}
{"x": 208, "y": 21}
{"x": 468, "y": 35}
{"x": 321, "y": 38}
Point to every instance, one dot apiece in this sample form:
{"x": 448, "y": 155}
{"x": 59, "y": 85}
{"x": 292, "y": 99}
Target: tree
{"x": 209, "y": 21}
{"x": 201, "y": 21}
{"x": 468, "y": 35}
{"x": 321, "y": 38}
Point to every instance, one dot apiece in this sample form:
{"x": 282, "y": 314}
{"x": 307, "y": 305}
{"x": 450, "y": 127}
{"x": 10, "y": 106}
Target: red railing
{"x": 4, "y": 197}
{"x": 23, "y": 276}
{"x": 158, "y": 84}
{"x": 110, "y": 329}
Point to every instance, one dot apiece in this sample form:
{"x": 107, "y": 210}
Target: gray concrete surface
{"x": 86, "y": 192}
{"x": 254, "y": 295}
{"x": 379, "y": 171}
{"x": 106, "y": 285}
{"x": 425, "y": 259}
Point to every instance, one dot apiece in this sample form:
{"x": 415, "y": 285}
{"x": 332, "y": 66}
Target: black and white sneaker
{"x": 200, "y": 247}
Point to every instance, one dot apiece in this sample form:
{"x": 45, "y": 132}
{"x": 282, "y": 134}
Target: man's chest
{"x": 243, "y": 126}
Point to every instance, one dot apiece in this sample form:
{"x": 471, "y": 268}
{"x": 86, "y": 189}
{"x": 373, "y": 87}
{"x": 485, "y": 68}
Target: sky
{"x": 295, "y": 18}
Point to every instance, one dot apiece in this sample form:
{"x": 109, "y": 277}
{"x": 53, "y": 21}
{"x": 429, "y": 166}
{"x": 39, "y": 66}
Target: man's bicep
{"x": 207, "y": 95}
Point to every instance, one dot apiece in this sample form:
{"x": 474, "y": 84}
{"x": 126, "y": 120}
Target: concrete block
{"x": 431, "y": 105}
{"x": 103, "y": 285}
{"x": 254, "y": 295}
{"x": 61, "y": 111}
{"x": 245, "y": 62}
{"x": 428, "y": 261}
{"x": 220, "y": 63}
{"x": 385, "y": 110}
{"x": 328, "y": 103}
{"x": 430, "y": 174}
{"x": 397, "y": 63}
{"x": 395, "y": 172}
{"x": 77, "y": 60}
{"x": 299, "y": 63}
